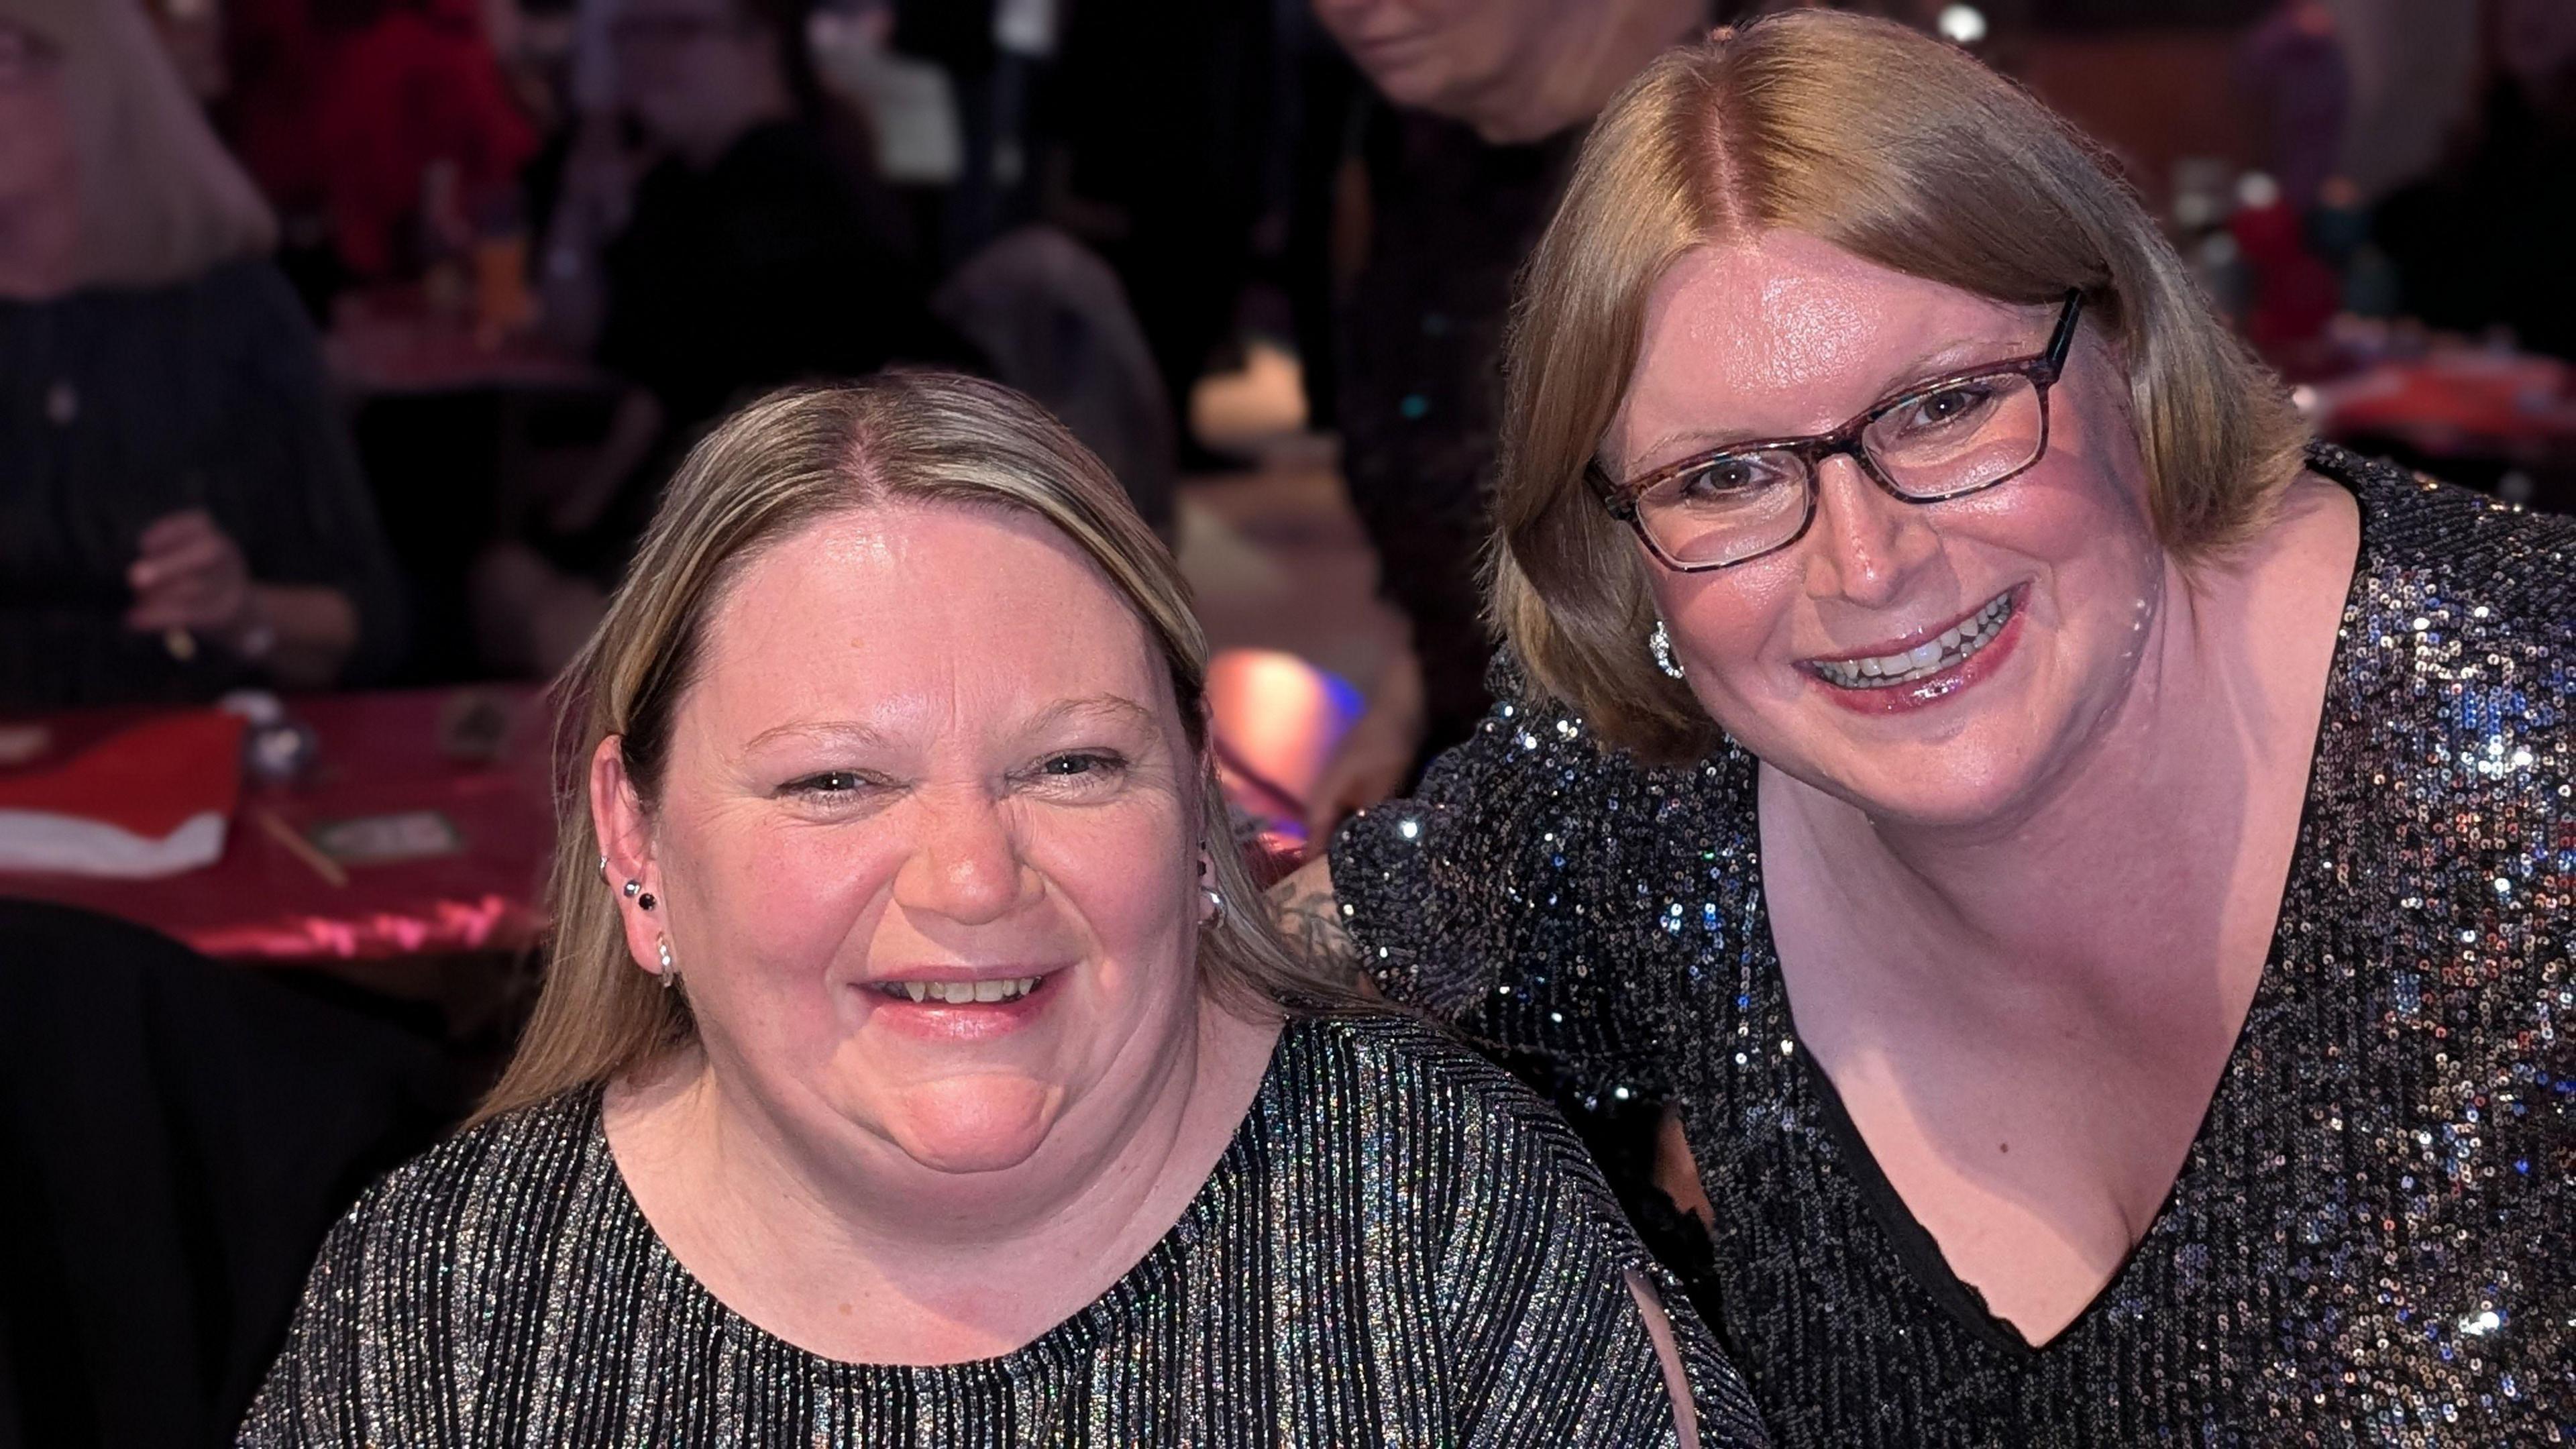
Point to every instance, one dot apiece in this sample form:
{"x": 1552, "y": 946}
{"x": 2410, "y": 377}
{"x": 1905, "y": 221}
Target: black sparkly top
{"x": 1399, "y": 1247}
{"x": 2373, "y": 1237}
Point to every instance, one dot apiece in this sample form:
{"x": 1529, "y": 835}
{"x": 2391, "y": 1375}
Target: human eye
{"x": 832, "y": 786}
{"x": 1961, "y": 404}
{"x": 1077, "y": 772}
{"x": 1726, "y": 480}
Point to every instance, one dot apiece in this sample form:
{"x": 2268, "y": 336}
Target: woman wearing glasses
{"x": 2085, "y": 870}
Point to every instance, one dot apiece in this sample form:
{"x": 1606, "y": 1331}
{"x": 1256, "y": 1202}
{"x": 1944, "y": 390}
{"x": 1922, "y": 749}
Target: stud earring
{"x": 670, "y": 971}
{"x": 645, "y": 900}
{"x": 632, "y": 887}
{"x": 1660, "y": 644}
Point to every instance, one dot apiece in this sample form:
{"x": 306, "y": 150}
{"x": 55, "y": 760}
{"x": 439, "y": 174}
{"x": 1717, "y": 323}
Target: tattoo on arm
{"x": 1304, "y": 906}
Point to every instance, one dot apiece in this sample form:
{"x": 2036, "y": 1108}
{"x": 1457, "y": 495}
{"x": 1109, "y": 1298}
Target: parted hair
{"x": 778, "y": 465}
{"x": 1903, "y": 151}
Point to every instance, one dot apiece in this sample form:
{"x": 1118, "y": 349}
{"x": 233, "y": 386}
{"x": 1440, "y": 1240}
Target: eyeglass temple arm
{"x": 2064, "y": 342}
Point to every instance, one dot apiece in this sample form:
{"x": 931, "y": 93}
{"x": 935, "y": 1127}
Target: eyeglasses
{"x": 1945, "y": 439}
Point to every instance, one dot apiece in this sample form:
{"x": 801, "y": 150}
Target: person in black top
{"x": 2084, "y": 869}
{"x": 741, "y": 246}
{"x": 1467, "y": 144}
{"x": 180, "y": 508}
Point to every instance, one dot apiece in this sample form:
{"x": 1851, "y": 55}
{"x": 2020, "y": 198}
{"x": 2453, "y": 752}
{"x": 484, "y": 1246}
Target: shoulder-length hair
{"x": 161, "y": 200}
{"x": 1907, "y": 153}
{"x": 773, "y": 468}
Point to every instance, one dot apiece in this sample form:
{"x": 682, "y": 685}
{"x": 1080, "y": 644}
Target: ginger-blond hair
{"x": 1907, "y": 153}
{"x": 778, "y": 465}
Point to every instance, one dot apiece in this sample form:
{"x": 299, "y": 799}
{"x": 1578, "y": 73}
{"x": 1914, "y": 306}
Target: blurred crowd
{"x": 348, "y": 342}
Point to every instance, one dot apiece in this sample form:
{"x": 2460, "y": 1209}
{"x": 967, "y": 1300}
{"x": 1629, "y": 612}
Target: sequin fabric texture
{"x": 2373, "y": 1237}
{"x": 1399, "y": 1247}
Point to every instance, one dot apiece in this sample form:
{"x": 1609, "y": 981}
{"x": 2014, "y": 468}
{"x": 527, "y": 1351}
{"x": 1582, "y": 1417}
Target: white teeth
{"x": 965, "y": 993}
{"x": 1952, "y": 645}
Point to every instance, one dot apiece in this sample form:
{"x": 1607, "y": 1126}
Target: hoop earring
{"x": 1660, "y": 644}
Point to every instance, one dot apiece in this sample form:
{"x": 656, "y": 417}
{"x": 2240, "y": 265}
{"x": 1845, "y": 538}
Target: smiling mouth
{"x": 990, "y": 992}
{"x": 1947, "y": 650}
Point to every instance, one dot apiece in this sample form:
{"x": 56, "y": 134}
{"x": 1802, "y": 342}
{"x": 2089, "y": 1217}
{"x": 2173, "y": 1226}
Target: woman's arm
{"x": 326, "y": 601}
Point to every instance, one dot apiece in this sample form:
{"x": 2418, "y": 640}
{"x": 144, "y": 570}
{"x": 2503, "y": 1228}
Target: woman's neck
{"x": 852, "y": 1251}
{"x": 1572, "y": 69}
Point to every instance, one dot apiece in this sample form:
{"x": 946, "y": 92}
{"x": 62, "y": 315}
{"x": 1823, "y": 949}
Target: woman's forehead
{"x": 1785, "y": 333}
{"x": 868, "y": 608}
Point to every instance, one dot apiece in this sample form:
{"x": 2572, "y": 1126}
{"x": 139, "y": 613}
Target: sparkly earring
{"x": 1660, "y": 644}
{"x": 670, "y": 972}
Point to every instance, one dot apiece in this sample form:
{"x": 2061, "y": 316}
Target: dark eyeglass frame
{"x": 2043, "y": 370}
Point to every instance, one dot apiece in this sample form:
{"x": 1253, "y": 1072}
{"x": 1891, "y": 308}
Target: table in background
{"x": 380, "y": 754}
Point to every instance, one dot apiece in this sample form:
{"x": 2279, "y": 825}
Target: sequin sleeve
{"x": 1506, "y": 899}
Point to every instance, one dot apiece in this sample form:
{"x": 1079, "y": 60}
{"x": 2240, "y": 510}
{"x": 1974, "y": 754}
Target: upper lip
{"x": 936, "y": 972}
{"x": 1910, "y": 638}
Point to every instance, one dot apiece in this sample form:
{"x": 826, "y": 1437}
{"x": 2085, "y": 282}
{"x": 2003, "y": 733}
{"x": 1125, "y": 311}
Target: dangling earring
{"x": 670, "y": 972}
{"x": 1660, "y": 644}
{"x": 1207, "y": 889}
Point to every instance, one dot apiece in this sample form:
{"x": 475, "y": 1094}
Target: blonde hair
{"x": 161, "y": 200}
{"x": 1907, "y": 153}
{"x": 773, "y": 468}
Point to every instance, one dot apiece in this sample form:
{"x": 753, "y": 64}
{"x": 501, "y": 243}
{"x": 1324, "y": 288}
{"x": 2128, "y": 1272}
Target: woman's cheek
{"x": 788, "y": 891}
{"x": 1118, "y": 867}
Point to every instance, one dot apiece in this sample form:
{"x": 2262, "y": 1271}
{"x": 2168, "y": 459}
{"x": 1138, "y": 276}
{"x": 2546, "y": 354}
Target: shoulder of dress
{"x": 1437, "y": 1095}
{"x": 2430, "y": 541}
{"x": 516, "y": 1155}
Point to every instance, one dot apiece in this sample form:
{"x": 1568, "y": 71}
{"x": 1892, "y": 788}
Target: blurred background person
{"x": 385, "y": 132}
{"x": 2484, "y": 241}
{"x": 1487, "y": 100}
{"x": 720, "y": 231}
{"x": 180, "y": 509}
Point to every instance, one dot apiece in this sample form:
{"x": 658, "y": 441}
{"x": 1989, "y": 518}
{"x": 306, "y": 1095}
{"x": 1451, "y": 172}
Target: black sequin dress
{"x": 1399, "y": 1247}
{"x": 2373, "y": 1237}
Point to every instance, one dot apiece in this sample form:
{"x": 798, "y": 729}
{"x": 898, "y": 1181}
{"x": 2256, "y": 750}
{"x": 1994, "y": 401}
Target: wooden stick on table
{"x": 301, "y": 848}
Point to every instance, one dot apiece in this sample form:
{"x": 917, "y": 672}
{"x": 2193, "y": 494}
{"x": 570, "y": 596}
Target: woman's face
{"x": 932, "y": 760}
{"x": 1787, "y": 335}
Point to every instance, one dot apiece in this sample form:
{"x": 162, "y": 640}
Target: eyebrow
{"x": 1105, "y": 707}
{"x": 1925, "y": 367}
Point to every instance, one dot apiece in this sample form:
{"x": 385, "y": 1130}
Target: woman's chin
{"x": 975, "y": 1124}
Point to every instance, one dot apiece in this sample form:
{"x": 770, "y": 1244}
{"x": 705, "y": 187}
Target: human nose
{"x": 967, "y": 865}
{"x": 1867, "y": 541}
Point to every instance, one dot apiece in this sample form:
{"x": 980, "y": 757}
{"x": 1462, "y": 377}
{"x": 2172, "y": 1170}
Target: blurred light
{"x": 2304, "y": 398}
{"x": 1962, "y": 24}
{"x": 2256, "y": 190}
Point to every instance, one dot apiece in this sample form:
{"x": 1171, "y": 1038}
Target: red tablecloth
{"x": 380, "y": 755}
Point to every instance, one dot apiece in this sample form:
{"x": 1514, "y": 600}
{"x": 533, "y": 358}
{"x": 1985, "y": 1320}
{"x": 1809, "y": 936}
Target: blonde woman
{"x": 916, "y": 1065}
{"x": 2086, "y": 870}
{"x": 180, "y": 510}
